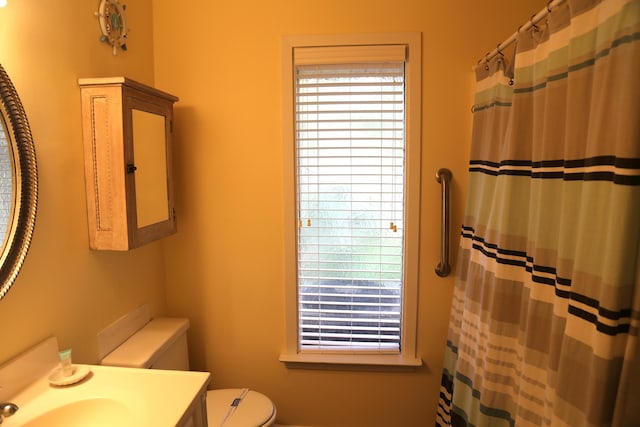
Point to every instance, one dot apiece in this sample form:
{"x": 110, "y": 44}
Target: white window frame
{"x": 413, "y": 76}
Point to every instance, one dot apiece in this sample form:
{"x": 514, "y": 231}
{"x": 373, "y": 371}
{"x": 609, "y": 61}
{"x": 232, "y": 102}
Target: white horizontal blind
{"x": 350, "y": 153}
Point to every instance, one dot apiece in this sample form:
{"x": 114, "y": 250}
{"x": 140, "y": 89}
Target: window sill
{"x": 325, "y": 360}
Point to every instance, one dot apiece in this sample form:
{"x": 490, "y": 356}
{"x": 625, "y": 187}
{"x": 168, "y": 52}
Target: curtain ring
{"x": 534, "y": 26}
{"x": 549, "y": 6}
{"x": 499, "y": 52}
{"x": 486, "y": 62}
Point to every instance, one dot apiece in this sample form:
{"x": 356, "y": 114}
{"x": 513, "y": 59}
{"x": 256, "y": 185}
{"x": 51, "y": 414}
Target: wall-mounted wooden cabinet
{"x": 127, "y": 134}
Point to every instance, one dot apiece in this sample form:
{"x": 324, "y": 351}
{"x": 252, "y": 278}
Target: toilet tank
{"x": 160, "y": 344}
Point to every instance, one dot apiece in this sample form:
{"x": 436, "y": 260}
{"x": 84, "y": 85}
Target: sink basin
{"x": 100, "y": 395}
{"x": 96, "y": 412}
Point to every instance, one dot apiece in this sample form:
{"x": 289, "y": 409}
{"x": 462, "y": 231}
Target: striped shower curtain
{"x": 546, "y": 308}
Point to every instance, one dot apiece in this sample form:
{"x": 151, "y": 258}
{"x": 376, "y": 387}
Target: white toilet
{"x": 162, "y": 344}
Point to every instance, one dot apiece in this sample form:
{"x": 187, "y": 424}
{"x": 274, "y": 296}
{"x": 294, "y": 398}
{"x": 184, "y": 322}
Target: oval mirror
{"x": 18, "y": 184}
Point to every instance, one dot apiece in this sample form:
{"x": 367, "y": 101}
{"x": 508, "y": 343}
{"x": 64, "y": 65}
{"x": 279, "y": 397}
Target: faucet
{"x": 7, "y": 409}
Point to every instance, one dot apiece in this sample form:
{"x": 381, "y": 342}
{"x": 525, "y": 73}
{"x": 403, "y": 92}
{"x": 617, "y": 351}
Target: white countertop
{"x": 109, "y": 396}
{"x": 141, "y": 397}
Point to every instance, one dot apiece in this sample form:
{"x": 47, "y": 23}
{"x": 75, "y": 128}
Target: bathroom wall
{"x": 65, "y": 289}
{"x": 224, "y": 268}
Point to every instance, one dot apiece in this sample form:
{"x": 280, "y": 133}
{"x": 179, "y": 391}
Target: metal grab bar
{"x": 443, "y": 176}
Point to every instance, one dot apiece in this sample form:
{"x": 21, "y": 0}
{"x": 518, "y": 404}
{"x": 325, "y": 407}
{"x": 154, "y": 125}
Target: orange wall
{"x": 224, "y": 269}
{"x": 65, "y": 289}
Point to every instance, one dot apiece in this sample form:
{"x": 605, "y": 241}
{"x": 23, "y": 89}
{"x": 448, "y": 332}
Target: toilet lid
{"x": 255, "y": 409}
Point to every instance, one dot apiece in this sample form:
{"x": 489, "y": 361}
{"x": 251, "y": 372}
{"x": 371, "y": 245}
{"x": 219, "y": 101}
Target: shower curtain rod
{"x": 534, "y": 20}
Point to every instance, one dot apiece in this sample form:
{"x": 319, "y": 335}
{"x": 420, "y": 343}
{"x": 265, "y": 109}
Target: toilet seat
{"x": 255, "y": 409}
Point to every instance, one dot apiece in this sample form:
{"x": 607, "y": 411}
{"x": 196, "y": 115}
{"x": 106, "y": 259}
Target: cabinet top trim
{"x": 125, "y": 81}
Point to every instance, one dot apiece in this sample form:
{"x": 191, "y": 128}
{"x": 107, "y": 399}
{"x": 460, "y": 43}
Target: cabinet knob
{"x": 131, "y": 168}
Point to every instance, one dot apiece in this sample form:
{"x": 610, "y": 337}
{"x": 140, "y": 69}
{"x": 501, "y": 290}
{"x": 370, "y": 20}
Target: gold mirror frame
{"x": 25, "y": 184}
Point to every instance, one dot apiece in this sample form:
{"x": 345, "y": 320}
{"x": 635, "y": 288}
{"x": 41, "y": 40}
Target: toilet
{"x": 162, "y": 344}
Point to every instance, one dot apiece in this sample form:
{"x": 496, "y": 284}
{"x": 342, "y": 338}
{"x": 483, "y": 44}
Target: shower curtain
{"x": 546, "y": 308}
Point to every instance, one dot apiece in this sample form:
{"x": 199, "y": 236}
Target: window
{"x": 352, "y": 155}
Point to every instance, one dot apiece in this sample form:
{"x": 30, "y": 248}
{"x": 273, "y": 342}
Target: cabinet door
{"x": 148, "y": 168}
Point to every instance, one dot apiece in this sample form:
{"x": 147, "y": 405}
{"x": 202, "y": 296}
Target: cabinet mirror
{"x": 150, "y": 154}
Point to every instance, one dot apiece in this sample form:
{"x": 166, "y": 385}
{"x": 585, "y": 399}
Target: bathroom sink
{"x": 96, "y": 412}
{"x": 100, "y": 396}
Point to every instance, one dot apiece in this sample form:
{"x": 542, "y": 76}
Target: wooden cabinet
{"x": 127, "y": 136}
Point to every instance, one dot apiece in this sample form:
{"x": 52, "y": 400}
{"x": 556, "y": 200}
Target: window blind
{"x": 350, "y": 154}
